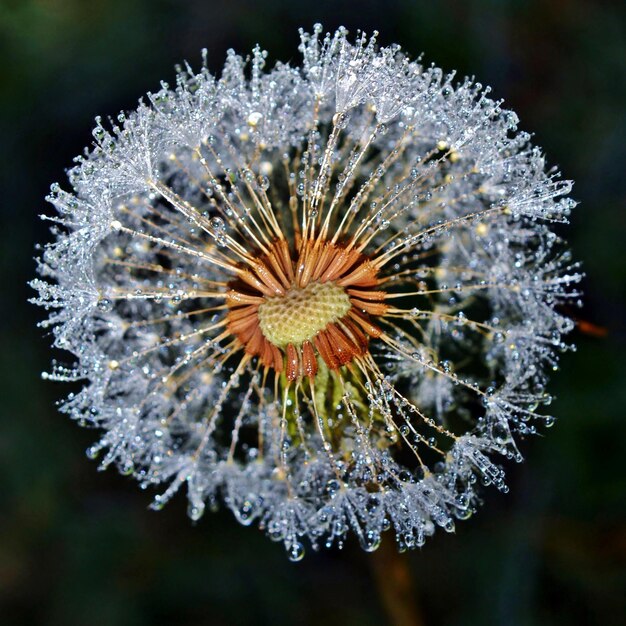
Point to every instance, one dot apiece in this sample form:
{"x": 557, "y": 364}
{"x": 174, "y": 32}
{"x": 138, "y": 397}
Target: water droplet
{"x": 247, "y": 511}
{"x": 217, "y": 224}
{"x": 254, "y": 118}
{"x": 449, "y": 526}
{"x": 195, "y": 512}
{"x": 332, "y": 487}
{"x": 296, "y": 552}
{"x": 264, "y": 183}
{"x": 373, "y": 502}
{"x": 127, "y": 469}
{"x": 370, "y": 541}
{"x": 158, "y": 503}
{"x": 340, "y": 120}
{"x": 105, "y": 305}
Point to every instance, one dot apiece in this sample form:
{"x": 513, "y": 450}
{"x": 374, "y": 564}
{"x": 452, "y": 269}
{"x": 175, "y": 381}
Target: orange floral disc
{"x": 287, "y": 312}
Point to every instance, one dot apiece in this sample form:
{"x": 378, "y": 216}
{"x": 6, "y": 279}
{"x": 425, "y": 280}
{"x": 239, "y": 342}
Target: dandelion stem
{"x": 392, "y": 576}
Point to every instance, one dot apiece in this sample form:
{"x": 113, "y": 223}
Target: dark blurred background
{"x": 80, "y": 547}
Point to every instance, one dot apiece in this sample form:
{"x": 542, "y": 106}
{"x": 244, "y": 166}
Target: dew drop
{"x": 247, "y": 511}
{"x": 370, "y": 541}
{"x": 254, "y": 118}
{"x": 264, "y": 183}
{"x": 296, "y": 552}
{"x": 195, "y": 512}
{"x": 105, "y": 305}
{"x": 332, "y": 487}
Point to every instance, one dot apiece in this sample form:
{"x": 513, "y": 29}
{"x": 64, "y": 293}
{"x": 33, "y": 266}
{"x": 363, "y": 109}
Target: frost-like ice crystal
{"x": 324, "y": 296}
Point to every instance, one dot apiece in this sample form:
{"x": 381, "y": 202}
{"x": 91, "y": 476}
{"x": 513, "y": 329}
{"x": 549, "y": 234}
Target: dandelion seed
{"x": 323, "y": 296}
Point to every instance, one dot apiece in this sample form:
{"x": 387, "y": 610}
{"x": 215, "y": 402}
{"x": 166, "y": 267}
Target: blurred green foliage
{"x": 79, "y": 547}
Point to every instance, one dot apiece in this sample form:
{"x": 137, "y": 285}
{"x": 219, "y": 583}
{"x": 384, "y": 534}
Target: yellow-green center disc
{"x": 302, "y": 312}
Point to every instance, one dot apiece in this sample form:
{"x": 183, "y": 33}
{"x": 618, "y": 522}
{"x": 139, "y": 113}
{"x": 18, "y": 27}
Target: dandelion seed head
{"x": 325, "y": 296}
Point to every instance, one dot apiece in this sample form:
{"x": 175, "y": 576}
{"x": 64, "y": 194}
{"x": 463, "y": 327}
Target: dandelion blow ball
{"x": 302, "y": 312}
{"x": 326, "y": 294}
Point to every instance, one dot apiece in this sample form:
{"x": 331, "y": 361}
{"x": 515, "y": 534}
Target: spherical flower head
{"x": 324, "y": 296}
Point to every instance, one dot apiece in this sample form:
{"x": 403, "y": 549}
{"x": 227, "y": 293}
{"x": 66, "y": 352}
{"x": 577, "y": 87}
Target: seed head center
{"x": 302, "y": 312}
